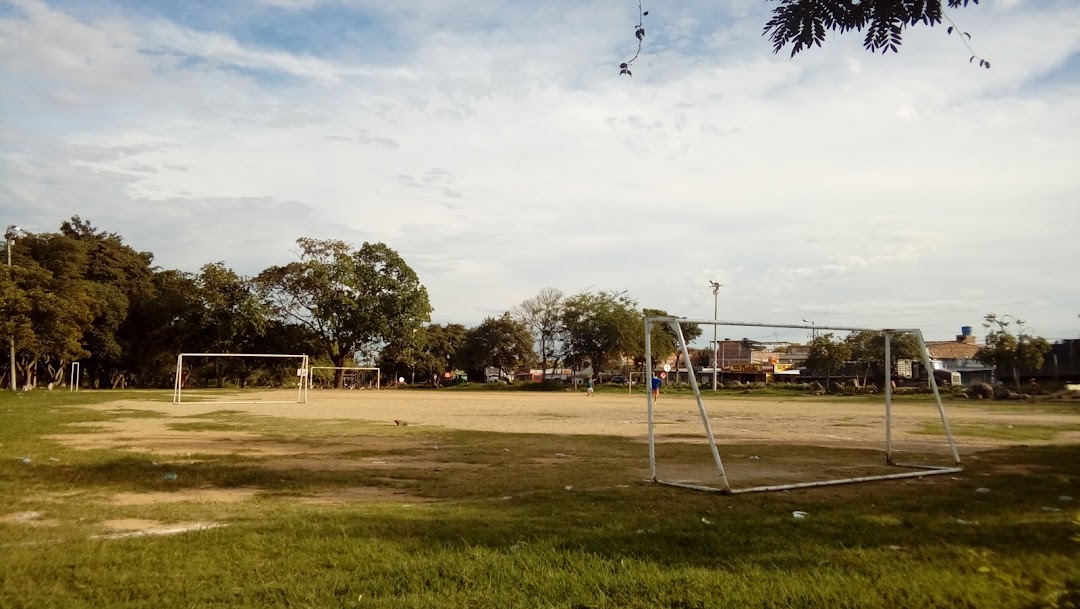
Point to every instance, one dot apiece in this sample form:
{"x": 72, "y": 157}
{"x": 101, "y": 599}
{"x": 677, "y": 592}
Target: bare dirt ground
{"x": 738, "y": 424}
{"x": 809, "y": 422}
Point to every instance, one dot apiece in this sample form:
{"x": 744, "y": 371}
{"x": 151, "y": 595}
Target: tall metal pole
{"x": 715, "y": 309}
{"x": 11, "y": 337}
{"x": 888, "y": 398}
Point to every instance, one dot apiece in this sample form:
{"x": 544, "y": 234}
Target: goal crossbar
{"x": 675, "y": 323}
{"x": 302, "y": 374}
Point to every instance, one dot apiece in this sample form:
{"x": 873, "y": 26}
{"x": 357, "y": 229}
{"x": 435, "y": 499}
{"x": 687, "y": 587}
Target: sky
{"x": 495, "y": 146}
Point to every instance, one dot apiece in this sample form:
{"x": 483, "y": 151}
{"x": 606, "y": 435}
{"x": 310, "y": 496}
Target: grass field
{"x": 520, "y": 501}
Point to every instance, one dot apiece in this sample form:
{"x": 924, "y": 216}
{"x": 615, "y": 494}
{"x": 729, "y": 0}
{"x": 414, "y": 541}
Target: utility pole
{"x": 716, "y": 298}
{"x": 9, "y": 235}
{"x": 813, "y": 329}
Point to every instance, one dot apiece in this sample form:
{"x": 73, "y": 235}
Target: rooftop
{"x": 950, "y": 349}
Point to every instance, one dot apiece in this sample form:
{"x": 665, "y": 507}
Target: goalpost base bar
{"x": 243, "y": 402}
{"x": 925, "y": 470}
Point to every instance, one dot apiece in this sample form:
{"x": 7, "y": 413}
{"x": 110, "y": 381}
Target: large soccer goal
{"x": 719, "y": 479}
{"x": 297, "y": 368}
{"x": 353, "y": 377}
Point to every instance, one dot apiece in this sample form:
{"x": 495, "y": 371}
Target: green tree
{"x": 1005, "y": 351}
{"x": 868, "y": 349}
{"x": 162, "y": 323}
{"x": 48, "y": 305}
{"x": 441, "y": 345}
{"x": 498, "y": 342}
{"x": 353, "y": 300}
{"x": 230, "y": 318}
{"x": 664, "y": 339}
{"x": 600, "y": 327}
{"x": 827, "y": 353}
{"x": 116, "y": 274}
{"x": 543, "y": 315}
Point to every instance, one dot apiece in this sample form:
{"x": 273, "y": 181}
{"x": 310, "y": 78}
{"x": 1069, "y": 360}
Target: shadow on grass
{"x": 1020, "y": 517}
{"x": 501, "y": 499}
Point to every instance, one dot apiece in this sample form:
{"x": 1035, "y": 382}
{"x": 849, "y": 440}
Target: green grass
{"x": 1011, "y": 432}
{"x": 493, "y": 526}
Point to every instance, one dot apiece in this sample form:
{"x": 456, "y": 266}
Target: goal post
{"x": 301, "y": 373}
{"x": 377, "y": 371}
{"x": 723, "y": 485}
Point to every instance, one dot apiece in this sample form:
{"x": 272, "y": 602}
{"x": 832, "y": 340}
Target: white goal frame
{"x": 378, "y": 373}
{"x": 301, "y": 373}
{"x": 675, "y": 323}
{"x": 76, "y": 376}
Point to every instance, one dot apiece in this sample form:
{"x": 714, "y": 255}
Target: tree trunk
{"x": 339, "y": 375}
{"x": 543, "y": 359}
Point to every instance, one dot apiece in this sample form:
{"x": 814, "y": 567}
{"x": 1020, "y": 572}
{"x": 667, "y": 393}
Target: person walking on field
{"x": 656, "y": 387}
{"x": 589, "y": 387}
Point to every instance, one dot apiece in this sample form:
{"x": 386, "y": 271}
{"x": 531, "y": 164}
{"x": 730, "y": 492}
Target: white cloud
{"x": 500, "y": 152}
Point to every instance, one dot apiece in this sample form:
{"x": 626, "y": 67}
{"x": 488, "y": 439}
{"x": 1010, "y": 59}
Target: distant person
{"x": 589, "y": 387}
{"x": 656, "y": 382}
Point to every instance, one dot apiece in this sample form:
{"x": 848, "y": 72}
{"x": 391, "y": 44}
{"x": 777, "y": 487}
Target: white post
{"x": 701, "y": 406}
{"x": 888, "y": 398}
{"x": 649, "y": 399}
{"x": 301, "y": 395}
{"x": 179, "y": 378}
{"x": 925, "y": 353}
{"x": 76, "y": 374}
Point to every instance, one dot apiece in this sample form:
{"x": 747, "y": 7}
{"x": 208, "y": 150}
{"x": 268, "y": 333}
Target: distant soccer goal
{"x": 353, "y": 377}
{"x": 210, "y": 371}
{"x": 718, "y": 481}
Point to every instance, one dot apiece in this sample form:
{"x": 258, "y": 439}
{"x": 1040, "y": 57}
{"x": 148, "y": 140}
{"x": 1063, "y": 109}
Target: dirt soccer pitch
{"x": 507, "y": 498}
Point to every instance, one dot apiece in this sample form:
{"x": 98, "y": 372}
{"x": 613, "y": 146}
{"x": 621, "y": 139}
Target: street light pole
{"x": 9, "y": 236}
{"x": 716, "y": 298}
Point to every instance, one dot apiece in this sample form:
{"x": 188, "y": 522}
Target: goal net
{"x": 201, "y": 377}
{"x": 352, "y": 377}
{"x": 681, "y": 469}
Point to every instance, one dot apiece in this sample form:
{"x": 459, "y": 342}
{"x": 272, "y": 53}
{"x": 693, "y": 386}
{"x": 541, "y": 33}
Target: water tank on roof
{"x": 965, "y": 330}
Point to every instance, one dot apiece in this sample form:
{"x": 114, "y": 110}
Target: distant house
{"x": 959, "y": 356}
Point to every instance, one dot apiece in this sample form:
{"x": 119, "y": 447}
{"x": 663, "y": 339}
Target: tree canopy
{"x": 498, "y": 342}
{"x": 804, "y": 23}
{"x": 600, "y": 327}
{"x": 543, "y": 316}
{"x": 1008, "y": 352}
{"x": 350, "y": 299}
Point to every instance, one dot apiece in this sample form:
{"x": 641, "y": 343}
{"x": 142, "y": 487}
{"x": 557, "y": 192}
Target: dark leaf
{"x": 645, "y": 14}
{"x": 623, "y": 65}
{"x": 972, "y": 59}
{"x": 987, "y": 65}
{"x": 640, "y": 33}
{"x": 949, "y": 31}
{"x": 629, "y": 73}
{"x": 968, "y": 35}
